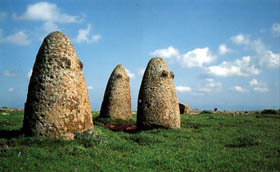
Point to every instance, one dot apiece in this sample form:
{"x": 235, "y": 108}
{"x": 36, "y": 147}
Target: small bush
{"x": 4, "y": 107}
{"x": 269, "y": 111}
{"x": 205, "y": 112}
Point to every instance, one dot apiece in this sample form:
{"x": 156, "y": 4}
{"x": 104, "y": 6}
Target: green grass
{"x": 208, "y": 142}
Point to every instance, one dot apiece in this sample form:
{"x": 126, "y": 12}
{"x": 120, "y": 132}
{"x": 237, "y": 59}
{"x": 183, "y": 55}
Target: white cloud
{"x": 205, "y": 90}
{"x": 212, "y": 84}
{"x": 239, "y": 89}
{"x": 29, "y": 74}
{"x": 183, "y": 89}
{"x": 266, "y": 57}
{"x": 256, "y": 45}
{"x": 96, "y": 37}
{"x": 253, "y": 82}
{"x": 9, "y": 74}
{"x": 3, "y": 15}
{"x": 261, "y": 89}
{"x": 11, "y": 90}
{"x": 90, "y": 87}
{"x": 84, "y": 36}
{"x": 209, "y": 79}
{"x": 210, "y": 87}
{"x": 223, "y": 49}
{"x": 49, "y": 13}
{"x": 194, "y": 58}
{"x": 18, "y": 38}
{"x": 240, "y": 39}
{"x": 259, "y": 86}
{"x": 197, "y": 58}
{"x": 50, "y": 26}
{"x": 130, "y": 74}
{"x": 270, "y": 59}
{"x": 276, "y": 29}
{"x": 240, "y": 67}
{"x": 165, "y": 53}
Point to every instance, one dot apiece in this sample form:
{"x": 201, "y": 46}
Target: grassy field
{"x": 206, "y": 142}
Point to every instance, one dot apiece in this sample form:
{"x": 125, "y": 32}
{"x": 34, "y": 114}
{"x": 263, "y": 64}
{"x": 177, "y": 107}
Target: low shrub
{"x": 205, "y": 112}
{"x": 269, "y": 111}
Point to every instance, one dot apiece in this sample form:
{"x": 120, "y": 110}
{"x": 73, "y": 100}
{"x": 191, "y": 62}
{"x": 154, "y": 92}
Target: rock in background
{"x": 157, "y": 100}
{"x": 117, "y": 101}
{"x": 184, "y": 108}
{"x": 57, "y": 102}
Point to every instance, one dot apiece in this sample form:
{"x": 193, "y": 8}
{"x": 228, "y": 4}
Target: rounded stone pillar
{"x": 157, "y": 100}
{"x": 117, "y": 101}
{"x": 57, "y": 103}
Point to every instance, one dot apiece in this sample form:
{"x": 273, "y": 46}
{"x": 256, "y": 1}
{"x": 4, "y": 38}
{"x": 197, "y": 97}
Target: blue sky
{"x": 224, "y": 54}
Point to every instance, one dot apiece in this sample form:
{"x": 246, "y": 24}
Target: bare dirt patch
{"x": 129, "y": 127}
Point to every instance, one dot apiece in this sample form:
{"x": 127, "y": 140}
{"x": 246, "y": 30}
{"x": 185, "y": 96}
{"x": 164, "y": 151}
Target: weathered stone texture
{"x": 117, "y": 101}
{"x": 57, "y": 102}
{"x": 184, "y": 108}
{"x": 157, "y": 100}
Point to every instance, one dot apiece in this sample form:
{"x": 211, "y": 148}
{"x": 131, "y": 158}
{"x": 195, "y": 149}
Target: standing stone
{"x": 184, "y": 108}
{"x": 57, "y": 103}
{"x": 117, "y": 101}
{"x": 157, "y": 100}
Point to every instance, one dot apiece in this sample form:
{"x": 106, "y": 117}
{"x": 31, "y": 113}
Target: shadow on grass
{"x": 8, "y": 134}
{"x": 127, "y": 126}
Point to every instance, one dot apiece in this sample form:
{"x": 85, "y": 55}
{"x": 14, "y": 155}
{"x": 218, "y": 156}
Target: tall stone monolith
{"x": 184, "y": 108}
{"x": 157, "y": 100}
{"x": 117, "y": 101}
{"x": 57, "y": 103}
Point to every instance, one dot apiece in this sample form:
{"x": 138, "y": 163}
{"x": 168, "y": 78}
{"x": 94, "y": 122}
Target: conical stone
{"x": 184, "y": 108}
{"x": 157, "y": 100}
{"x": 117, "y": 101}
{"x": 57, "y": 103}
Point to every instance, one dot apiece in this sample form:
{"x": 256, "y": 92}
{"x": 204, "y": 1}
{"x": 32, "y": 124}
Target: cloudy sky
{"x": 224, "y": 54}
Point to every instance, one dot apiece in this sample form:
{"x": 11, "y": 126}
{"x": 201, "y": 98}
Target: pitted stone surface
{"x": 157, "y": 100}
{"x": 184, "y": 108}
{"x": 57, "y": 103}
{"x": 117, "y": 101}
